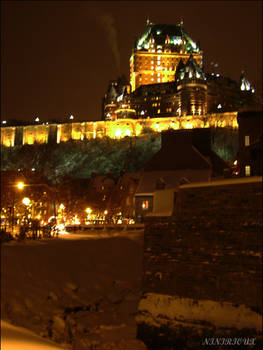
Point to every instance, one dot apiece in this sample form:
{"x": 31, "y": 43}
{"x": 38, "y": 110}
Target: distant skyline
{"x": 58, "y": 57}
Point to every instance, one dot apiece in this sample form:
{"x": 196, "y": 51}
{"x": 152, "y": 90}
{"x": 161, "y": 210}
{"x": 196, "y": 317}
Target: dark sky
{"x": 57, "y": 56}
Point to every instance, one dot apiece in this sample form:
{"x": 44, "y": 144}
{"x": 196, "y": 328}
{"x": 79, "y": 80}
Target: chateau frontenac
{"x": 168, "y": 89}
{"x": 167, "y": 80}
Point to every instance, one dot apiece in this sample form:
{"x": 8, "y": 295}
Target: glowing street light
{"x": 88, "y": 211}
{"x": 20, "y": 185}
{"x": 26, "y": 201}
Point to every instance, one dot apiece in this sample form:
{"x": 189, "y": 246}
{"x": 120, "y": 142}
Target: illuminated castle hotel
{"x": 167, "y": 89}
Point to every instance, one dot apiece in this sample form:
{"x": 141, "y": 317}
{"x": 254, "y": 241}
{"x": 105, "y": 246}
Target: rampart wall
{"x": 203, "y": 268}
{"x": 44, "y": 133}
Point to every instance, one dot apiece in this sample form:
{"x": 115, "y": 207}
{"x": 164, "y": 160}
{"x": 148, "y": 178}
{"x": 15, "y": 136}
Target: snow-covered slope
{"x": 79, "y": 291}
{"x": 14, "y": 338}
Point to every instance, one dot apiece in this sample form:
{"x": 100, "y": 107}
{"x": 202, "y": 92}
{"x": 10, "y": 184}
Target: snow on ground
{"x": 14, "y": 338}
{"x": 79, "y": 289}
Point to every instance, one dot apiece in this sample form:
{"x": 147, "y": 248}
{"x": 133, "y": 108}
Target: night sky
{"x": 59, "y": 56}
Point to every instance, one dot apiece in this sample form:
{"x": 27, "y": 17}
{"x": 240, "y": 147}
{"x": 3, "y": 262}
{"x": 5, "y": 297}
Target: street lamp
{"x": 26, "y": 201}
{"x": 49, "y": 188}
{"x": 19, "y": 185}
{"x": 88, "y": 211}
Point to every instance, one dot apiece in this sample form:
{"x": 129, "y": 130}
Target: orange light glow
{"x": 117, "y": 128}
{"x": 20, "y": 185}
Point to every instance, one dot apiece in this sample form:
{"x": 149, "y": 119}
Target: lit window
{"x": 247, "y": 170}
{"x": 159, "y": 111}
{"x": 247, "y": 140}
{"x": 145, "y": 205}
{"x": 158, "y": 80}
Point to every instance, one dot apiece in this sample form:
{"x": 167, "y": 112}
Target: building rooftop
{"x": 175, "y": 35}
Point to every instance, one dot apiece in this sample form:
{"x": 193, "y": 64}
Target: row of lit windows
{"x": 153, "y": 79}
{"x": 158, "y": 68}
{"x": 153, "y": 59}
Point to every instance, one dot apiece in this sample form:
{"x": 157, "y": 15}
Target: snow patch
{"x": 157, "y": 309}
{"x": 81, "y": 289}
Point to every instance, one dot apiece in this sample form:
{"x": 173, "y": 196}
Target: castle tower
{"x": 117, "y": 89}
{"x": 158, "y": 52}
{"x": 192, "y": 88}
{"x": 109, "y": 102}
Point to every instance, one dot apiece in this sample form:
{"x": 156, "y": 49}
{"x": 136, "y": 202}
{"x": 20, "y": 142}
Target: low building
{"x": 185, "y": 157}
{"x": 122, "y": 196}
{"x": 250, "y": 142}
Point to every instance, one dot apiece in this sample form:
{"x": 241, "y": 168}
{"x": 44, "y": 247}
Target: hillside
{"x": 79, "y": 159}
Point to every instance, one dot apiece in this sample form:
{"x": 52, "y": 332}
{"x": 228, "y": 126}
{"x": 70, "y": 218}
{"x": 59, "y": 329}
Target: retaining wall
{"x": 203, "y": 267}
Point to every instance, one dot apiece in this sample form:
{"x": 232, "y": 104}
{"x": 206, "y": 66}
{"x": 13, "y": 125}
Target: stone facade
{"x": 31, "y": 134}
{"x": 203, "y": 267}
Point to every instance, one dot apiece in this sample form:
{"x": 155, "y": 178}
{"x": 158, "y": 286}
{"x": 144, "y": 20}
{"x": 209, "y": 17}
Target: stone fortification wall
{"x": 203, "y": 267}
{"x": 44, "y": 133}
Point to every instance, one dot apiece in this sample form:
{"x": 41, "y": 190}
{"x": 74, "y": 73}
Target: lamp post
{"x": 50, "y": 189}
{"x": 26, "y": 201}
{"x": 20, "y": 186}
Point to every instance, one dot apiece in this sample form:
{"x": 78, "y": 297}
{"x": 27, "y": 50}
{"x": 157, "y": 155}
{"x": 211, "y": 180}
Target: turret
{"x": 192, "y": 88}
{"x": 245, "y": 84}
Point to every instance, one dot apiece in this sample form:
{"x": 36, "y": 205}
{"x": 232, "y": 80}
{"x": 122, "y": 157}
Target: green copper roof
{"x": 160, "y": 32}
{"x": 189, "y": 70}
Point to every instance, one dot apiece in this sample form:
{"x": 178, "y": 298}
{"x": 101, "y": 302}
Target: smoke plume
{"x": 107, "y": 21}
